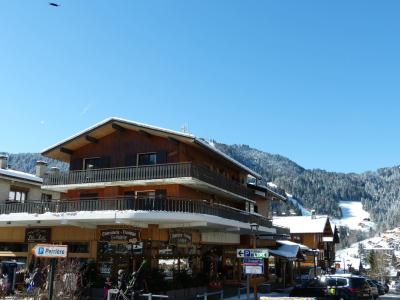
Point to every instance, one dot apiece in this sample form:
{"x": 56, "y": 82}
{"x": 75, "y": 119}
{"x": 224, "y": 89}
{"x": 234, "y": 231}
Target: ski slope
{"x": 354, "y": 216}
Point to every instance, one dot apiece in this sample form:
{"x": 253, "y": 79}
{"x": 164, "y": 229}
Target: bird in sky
{"x": 54, "y": 4}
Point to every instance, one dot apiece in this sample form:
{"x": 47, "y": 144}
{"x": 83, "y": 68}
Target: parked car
{"x": 380, "y": 286}
{"x": 346, "y": 287}
{"x": 386, "y": 286}
{"x": 374, "y": 288}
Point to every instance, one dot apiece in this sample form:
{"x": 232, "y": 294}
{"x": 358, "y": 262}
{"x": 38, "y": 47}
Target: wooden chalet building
{"x": 315, "y": 232}
{"x": 135, "y": 192}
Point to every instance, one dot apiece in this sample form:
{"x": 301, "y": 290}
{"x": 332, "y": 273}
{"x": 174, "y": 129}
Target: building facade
{"x": 135, "y": 192}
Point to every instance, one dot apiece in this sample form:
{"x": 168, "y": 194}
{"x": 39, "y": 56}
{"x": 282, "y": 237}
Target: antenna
{"x": 185, "y": 128}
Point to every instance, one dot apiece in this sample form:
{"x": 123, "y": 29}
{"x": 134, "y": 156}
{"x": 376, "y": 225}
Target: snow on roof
{"x": 285, "y": 242}
{"x": 302, "y": 224}
{"x": 20, "y": 175}
{"x": 206, "y": 144}
{"x": 287, "y": 251}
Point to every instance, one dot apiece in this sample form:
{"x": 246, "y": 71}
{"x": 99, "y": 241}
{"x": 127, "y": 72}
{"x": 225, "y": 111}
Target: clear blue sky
{"x": 316, "y": 81}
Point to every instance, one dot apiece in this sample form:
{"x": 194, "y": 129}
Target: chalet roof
{"x": 20, "y": 175}
{"x": 302, "y": 224}
{"x": 108, "y": 125}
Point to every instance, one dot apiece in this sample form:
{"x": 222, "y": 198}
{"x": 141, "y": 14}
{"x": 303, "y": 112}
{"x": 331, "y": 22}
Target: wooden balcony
{"x": 136, "y": 173}
{"x": 135, "y": 204}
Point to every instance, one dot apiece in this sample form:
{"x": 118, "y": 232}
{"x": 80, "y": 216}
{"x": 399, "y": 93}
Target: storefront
{"x": 118, "y": 248}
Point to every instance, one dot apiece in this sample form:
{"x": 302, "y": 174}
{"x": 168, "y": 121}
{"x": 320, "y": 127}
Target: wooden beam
{"x": 144, "y": 133}
{"x": 66, "y": 150}
{"x": 91, "y": 139}
{"x": 118, "y": 127}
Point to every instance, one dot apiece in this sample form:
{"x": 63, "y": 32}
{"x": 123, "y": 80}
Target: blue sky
{"x": 316, "y": 81}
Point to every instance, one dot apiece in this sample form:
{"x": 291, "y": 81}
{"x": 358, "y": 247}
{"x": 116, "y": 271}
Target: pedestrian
{"x": 107, "y": 287}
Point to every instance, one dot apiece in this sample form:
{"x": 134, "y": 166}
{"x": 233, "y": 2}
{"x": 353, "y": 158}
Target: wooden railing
{"x": 162, "y": 171}
{"x": 136, "y": 204}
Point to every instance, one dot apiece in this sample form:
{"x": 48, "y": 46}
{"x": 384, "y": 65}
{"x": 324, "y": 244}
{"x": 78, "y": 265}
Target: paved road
{"x": 390, "y": 296}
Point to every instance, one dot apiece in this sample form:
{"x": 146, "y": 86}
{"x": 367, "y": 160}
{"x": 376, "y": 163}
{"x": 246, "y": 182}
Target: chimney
{"x": 54, "y": 170}
{"x": 313, "y": 215}
{"x": 3, "y": 161}
{"x": 41, "y": 168}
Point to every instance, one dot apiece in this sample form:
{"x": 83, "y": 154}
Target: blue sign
{"x": 41, "y": 250}
{"x": 247, "y": 253}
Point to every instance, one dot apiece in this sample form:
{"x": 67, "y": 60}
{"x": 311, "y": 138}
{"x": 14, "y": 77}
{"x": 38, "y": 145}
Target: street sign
{"x": 253, "y": 270}
{"x": 253, "y": 261}
{"x": 50, "y": 251}
{"x": 252, "y": 253}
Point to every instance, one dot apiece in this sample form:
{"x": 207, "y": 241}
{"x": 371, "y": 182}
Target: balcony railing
{"x": 163, "y": 171}
{"x": 135, "y": 204}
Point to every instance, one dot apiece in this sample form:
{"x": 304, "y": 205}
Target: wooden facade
{"x": 136, "y": 192}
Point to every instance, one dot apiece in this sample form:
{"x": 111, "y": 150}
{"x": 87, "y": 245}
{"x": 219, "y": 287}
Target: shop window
{"x": 14, "y": 247}
{"x": 17, "y": 195}
{"x": 146, "y": 159}
{"x": 78, "y": 247}
{"x": 170, "y": 266}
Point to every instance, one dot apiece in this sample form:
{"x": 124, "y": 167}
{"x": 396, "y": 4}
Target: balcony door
{"x": 152, "y": 200}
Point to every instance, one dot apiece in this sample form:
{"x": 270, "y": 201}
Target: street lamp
{"x": 254, "y": 229}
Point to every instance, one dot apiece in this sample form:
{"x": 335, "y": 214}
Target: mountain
{"x": 26, "y": 162}
{"x": 379, "y": 191}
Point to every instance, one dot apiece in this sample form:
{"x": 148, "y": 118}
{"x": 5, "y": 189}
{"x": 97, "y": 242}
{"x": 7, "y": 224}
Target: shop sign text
{"x": 180, "y": 238}
{"x": 50, "y": 251}
{"x": 119, "y": 235}
{"x": 38, "y": 235}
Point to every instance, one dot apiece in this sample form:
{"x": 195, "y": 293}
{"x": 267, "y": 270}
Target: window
{"x": 146, "y": 194}
{"x": 91, "y": 163}
{"x": 46, "y": 197}
{"x": 14, "y": 247}
{"x": 78, "y": 247}
{"x": 89, "y": 196}
{"x": 146, "y": 159}
{"x": 17, "y": 195}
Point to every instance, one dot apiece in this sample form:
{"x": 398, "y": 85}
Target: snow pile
{"x": 354, "y": 216}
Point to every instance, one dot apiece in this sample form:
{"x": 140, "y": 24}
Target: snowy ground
{"x": 354, "y": 216}
{"x": 387, "y": 240}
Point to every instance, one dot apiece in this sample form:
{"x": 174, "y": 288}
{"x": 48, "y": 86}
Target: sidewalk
{"x": 272, "y": 295}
